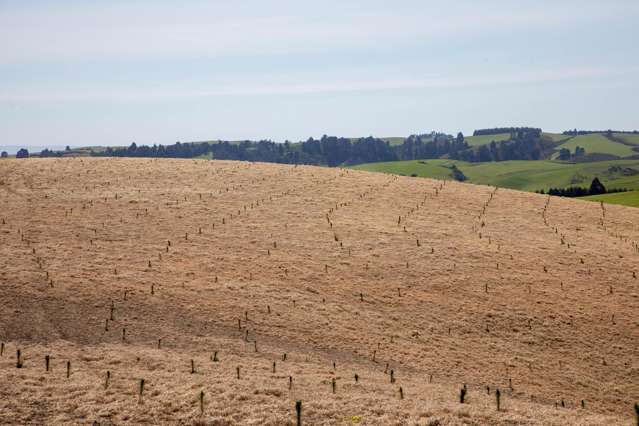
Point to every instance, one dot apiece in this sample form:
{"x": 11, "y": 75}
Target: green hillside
{"x": 625, "y": 198}
{"x": 523, "y": 175}
{"x": 486, "y": 139}
{"x": 630, "y": 138}
{"x": 394, "y": 140}
{"x": 557, "y": 137}
{"x": 597, "y": 143}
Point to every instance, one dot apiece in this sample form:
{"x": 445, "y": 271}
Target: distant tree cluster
{"x": 434, "y": 145}
{"x": 50, "y": 153}
{"x": 334, "y": 151}
{"x": 500, "y": 130}
{"x": 596, "y": 188}
{"x": 565, "y": 155}
{"x": 4, "y": 154}
{"x": 576, "y": 132}
{"x": 329, "y": 150}
{"x": 22, "y": 153}
{"x": 522, "y": 145}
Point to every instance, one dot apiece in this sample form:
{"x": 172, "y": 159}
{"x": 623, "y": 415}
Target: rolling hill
{"x": 621, "y": 145}
{"x": 624, "y": 198}
{"x": 524, "y": 175}
{"x": 221, "y": 292}
{"x": 597, "y": 143}
{"x": 486, "y": 139}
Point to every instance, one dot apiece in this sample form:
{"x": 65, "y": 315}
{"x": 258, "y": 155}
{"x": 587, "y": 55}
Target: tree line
{"x": 524, "y": 144}
{"x": 576, "y": 132}
{"x": 500, "y": 130}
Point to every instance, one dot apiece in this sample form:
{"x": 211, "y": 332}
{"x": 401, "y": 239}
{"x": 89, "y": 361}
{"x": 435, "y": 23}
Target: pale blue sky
{"x": 110, "y": 72}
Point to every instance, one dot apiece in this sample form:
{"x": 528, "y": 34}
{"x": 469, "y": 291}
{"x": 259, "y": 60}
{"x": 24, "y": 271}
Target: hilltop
{"x": 190, "y": 273}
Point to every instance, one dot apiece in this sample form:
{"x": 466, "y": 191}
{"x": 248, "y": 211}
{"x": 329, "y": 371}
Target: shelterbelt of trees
{"x": 523, "y": 144}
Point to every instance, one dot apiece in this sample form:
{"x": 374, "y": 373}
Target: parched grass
{"x": 431, "y": 286}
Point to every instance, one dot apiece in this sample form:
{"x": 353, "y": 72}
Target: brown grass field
{"x": 320, "y": 274}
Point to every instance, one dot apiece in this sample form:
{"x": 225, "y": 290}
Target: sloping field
{"x": 630, "y": 198}
{"x": 630, "y": 138}
{"x": 524, "y": 175}
{"x": 556, "y": 137}
{"x": 371, "y": 298}
{"x": 486, "y": 139}
{"x": 597, "y": 143}
{"x": 395, "y": 140}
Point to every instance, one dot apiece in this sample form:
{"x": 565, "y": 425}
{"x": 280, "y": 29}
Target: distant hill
{"x": 523, "y": 175}
{"x": 598, "y": 143}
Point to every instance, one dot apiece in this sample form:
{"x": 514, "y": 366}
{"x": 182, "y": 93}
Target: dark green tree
{"x": 596, "y": 187}
{"x": 564, "y": 154}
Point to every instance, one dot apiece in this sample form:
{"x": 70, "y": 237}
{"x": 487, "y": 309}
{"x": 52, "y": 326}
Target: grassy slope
{"x": 624, "y": 198}
{"x": 597, "y": 143}
{"x": 486, "y": 139}
{"x": 628, "y": 138}
{"x": 523, "y": 175}
{"x": 422, "y": 168}
{"x": 556, "y": 137}
{"x": 395, "y": 140}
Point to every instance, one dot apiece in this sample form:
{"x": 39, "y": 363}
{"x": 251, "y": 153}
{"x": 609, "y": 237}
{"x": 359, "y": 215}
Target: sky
{"x": 90, "y": 72}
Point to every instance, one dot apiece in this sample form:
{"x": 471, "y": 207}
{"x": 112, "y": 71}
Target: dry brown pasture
{"x": 309, "y": 275}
